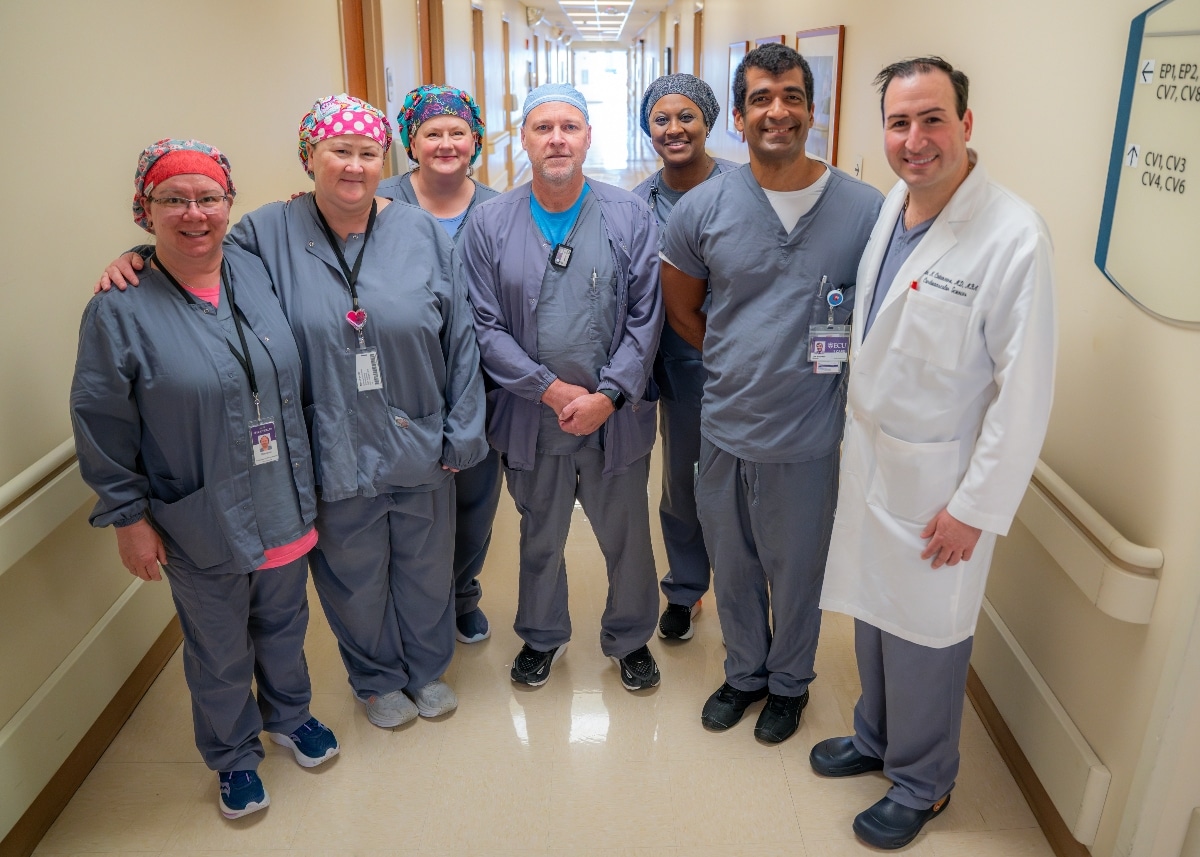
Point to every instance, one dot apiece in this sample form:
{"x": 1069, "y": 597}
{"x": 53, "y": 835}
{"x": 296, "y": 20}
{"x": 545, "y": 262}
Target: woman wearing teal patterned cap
{"x": 442, "y": 131}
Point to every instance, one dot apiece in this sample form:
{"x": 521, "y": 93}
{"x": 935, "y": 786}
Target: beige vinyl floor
{"x": 578, "y": 767}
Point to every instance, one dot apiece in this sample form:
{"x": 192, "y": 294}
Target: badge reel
{"x": 829, "y": 343}
{"x": 366, "y": 360}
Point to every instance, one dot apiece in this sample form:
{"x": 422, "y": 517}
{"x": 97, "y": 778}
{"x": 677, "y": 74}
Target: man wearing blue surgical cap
{"x": 563, "y": 277}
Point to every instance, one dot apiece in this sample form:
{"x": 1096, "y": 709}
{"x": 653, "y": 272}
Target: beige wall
{"x": 96, "y": 83}
{"x": 1045, "y": 80}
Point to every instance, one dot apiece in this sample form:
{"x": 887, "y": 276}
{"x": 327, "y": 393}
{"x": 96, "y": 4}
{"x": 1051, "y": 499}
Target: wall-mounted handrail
{"x": 1115, "y": 574}
{"x": 1122, "y": 552}
{"x": 36, "y": 473}
{"x": 38, "y": 501}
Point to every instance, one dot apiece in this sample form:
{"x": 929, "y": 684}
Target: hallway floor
{"x": 579, "y": 766}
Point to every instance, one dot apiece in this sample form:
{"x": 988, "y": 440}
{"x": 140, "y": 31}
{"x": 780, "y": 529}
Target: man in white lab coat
{"x": 951, "y": 381}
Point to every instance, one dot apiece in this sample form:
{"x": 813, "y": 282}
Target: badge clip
{"x": 561, "y": 257}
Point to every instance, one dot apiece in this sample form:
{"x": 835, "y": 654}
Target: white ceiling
{"x": 600, "y": 20}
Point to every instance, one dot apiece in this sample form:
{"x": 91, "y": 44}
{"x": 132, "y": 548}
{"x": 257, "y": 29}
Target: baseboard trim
{"x": 53, "y": 799}
{"x": 1056, "y": 830}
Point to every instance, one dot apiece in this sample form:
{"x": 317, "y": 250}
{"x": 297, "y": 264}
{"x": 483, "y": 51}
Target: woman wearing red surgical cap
{"x": 187, "y": 425}
{"x": 442, "y": 131}
{"x": 393, "y": 396}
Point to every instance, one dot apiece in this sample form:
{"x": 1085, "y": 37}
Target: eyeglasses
{"x": 179, "y": 204}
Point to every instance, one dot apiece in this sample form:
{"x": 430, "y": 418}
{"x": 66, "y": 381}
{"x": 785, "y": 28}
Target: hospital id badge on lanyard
{"x": 265, "y": 445}
{"x": 829, "y": 343}
{"x": 367, "y": 373}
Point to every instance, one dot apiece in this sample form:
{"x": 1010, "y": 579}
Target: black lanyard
{"x": 351, "y": 274}
{"x": 242, "y": 358}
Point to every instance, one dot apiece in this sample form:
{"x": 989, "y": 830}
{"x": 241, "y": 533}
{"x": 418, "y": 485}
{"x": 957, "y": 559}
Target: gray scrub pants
{"x": 767, "y": 527}
{"x": 687, "y": 578}
{"x": 239, "y": 628}
{"x": 910, "y": 712}
{"x": 383, "y": 571}
{"x": 477, "y": 496}
{"x": 619, "y": 511}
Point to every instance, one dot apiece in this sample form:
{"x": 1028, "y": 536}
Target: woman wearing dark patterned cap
{"x": 185, "y": 407}
{"x": 678, "y": 113}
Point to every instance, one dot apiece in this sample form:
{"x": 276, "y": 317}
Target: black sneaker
{"x": 676, "y": 621}
{"x": 780, "y": 717}
{"x": 532, "y": 667}
{"x": 726, "y": 707}
{"x": 638, "y": 669}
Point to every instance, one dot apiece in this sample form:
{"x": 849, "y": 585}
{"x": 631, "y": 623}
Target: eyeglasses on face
{"x": 210, "y": 204}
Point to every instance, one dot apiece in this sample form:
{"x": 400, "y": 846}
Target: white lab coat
{"x": 948, "y": 403}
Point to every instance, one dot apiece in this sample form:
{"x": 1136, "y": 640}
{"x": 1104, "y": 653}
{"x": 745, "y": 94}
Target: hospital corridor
{"x": 1079, "y": 648}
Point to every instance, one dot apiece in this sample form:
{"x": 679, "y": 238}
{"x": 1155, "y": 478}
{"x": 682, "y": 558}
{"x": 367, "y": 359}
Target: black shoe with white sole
{"x": 638, "y": 669}
{"x": 532, "y": 667}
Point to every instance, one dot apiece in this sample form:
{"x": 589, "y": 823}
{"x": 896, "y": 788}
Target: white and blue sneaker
{"x": 312, "y": 744}
{"x": 242, "y": 793}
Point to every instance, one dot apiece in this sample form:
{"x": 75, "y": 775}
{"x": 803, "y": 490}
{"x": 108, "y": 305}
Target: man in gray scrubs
{"x": 563, "y": 276}
{"x": 778, "y": 243}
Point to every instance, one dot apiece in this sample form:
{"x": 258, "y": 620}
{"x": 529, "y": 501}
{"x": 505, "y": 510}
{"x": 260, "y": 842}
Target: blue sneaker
{"x": 242, "y": 793}
{"x": 312, "y": 743}
{"x": 472, "y": 627}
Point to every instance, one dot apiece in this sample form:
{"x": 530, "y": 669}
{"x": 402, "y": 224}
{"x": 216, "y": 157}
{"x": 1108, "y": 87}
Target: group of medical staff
{"x": 339, "y": 383}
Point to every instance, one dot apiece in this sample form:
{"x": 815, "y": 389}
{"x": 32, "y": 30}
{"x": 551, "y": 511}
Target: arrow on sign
{"x": 1131, "y": 156}
{"x": 1147, "y": 72}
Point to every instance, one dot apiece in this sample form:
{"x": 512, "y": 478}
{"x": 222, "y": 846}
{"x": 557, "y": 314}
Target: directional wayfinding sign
{"x": 1148, "y": 246}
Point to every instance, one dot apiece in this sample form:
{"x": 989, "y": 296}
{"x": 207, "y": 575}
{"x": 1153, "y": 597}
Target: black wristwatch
{"x": 615, "y": 396}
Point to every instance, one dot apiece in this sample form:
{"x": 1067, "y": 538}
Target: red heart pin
{"x": 357, "y": 318}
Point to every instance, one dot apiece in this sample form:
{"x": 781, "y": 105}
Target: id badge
{"x": 366, "y": 369}
{"x": 263, "y": 442}
{"x": 827, "y": 367}
{"x": 561, "y": 257}
{"x": 828, "y": 343}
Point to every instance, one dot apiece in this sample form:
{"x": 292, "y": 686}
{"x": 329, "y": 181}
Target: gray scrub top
{"x": 677, "y": 369}
{"x": 400, "y": 187}
{"x": 576, "y": 314}
{"x": 662, "y": 199}
{"x": 506, "y": 259}
{"x": 161, "y": 411}
{"x": 276, "y": 506}
{"x": 762, "y": 401}
{"x": 430, "y": 410}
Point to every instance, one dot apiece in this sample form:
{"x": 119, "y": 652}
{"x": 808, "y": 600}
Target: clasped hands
{"x": 579, "y": 412}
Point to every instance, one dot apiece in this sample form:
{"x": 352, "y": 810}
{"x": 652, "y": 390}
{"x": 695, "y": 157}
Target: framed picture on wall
{"x": 823, "y": 50}
{"x": 772, "y": 40}
{"x": 737, "y": 52}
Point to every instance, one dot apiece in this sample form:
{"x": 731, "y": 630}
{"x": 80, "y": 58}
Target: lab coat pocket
{"x": 913, "y": 481}
{"x": 932, "y": 329}
{"x": 191, "y": 529}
